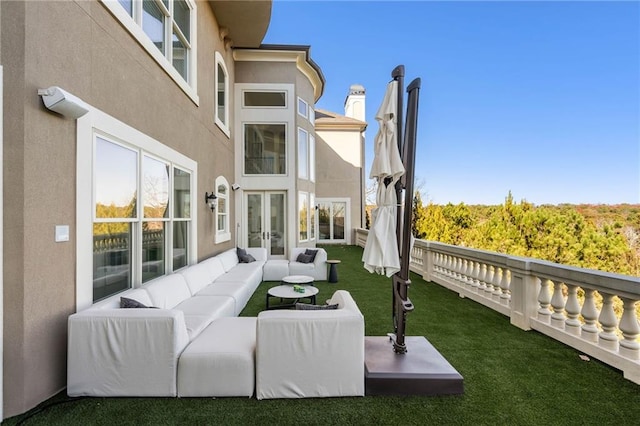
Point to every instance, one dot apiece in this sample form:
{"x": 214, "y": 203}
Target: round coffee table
{"x": 297, "y": 279}
{"x": 286, "y": 291}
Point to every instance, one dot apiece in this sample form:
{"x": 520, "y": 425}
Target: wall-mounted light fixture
{"x": 63, "y": 102}
{"x": 211, "y": 200}
{"x": 235, "y": 186}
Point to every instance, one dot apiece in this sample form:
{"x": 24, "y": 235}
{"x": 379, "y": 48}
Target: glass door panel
{"x": 254, "y": 219}
{"x": 277, "y": 225}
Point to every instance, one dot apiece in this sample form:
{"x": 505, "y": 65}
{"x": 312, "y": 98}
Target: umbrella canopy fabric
{"x": 381, "y": 250}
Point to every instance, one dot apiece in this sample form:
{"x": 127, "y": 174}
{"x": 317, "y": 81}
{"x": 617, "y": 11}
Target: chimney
{"x": 354, "y": 104}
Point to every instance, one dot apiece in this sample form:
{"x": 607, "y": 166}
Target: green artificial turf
{"x": 511, "y": 376}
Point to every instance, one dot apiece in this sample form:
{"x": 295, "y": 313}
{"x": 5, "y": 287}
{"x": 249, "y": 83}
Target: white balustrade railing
{"x": 592, "y": 311}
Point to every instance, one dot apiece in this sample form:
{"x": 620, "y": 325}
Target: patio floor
{"x": 511, "y": 377}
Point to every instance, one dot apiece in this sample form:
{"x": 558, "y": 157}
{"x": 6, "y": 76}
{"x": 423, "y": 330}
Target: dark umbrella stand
{"x": 396, "y": 364}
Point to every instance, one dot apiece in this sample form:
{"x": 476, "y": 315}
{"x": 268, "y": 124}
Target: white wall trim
{"x": 1, "y": 249}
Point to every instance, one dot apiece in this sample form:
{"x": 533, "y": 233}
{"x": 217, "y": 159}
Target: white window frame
{"x": 222, "y": 124}
{"x": 286, "y": 149}
{"x": 264, "y": 90}
{"x": 303, "y": 197}
{"x": 224, "y": 234}
{"x": 347, "y": 220}
{"x": 312, "y": 217}
{"x": 134, "y": 26}
{"x": 303, "y": 108}
{"x": 99, "y": 123}
{"x": 303, "y": 160}
{"x": 312, "y": 116}
{"x": 312, "y": 157}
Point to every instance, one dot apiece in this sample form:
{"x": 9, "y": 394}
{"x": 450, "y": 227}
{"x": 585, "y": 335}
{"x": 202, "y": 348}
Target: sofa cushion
{"x": 229, "y": 259}
{"x": 168, "y": 291}
{"x": 197, "y": 277}
{"x": 304, "y": 258}
{"x": 308, "y": 307}
{"x": 215, "y": 267}
{"x": 127, "y": 303}
{"x": 199, "y": 311}
{"x": 311, "y": 253}
{"x": 240, "y": 292}
{"x": 247, "y": 258}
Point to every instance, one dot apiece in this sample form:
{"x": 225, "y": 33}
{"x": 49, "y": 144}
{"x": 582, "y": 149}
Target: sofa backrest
{"x": 113, "y": 302}
{"x": 197, "y": 277}
{"x": 228, "y": 258}
{"x": 168, "y": 291}
{"x": 344, "y": 300}
{"x": 215, "y": 267}
{"x": 258, "y": 253}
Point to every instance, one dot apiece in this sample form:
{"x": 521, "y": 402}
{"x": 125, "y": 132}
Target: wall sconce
{"x": 211, "y": 200}
{"x": 235, "y": 186}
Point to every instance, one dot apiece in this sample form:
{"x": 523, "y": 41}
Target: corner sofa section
{"x": 134, "y": 352}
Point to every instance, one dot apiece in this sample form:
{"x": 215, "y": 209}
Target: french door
{"x": 265, "y": 219}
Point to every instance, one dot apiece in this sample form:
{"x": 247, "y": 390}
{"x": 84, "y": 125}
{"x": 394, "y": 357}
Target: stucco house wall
{"x": 79, "y": 46}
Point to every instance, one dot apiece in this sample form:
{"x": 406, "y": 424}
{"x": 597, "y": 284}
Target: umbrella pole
{"x": 400, "y": 281}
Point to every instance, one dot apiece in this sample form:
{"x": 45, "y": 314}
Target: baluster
{"x": 497, "y": 279}
{"x": 572, "y": 324}
{"x": 590, "y": 314}
{"x": 446, "y": 266}
{"x": 557, "y": 301}
{"x": 544, "y": 299}
{"x": 488, "y": 280}
{"x": 463, "y": 270}
{"x": 482, "y": 276}
{"x": 505, "y": 286}
{"x": 608, "y": 322}
{"x": 629, "y": 345}
{"x": 475, "y": 272}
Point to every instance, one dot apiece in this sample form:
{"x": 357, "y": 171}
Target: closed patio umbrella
{"x": 381, "y": 249}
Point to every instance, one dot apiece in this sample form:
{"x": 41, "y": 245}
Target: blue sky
{"x": 539, "y": 98}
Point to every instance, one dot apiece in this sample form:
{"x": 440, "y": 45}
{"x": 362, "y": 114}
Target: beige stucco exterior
{"x": 79, "y": 46}
{"x": 82, "y": 47}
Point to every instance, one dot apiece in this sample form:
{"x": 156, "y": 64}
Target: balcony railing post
{"x": 524, "y": 294}
{"x": 427, "y": 262}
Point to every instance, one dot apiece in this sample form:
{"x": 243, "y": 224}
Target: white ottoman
{"x": 220, "y": 361}
{"x": 275, "y": 270}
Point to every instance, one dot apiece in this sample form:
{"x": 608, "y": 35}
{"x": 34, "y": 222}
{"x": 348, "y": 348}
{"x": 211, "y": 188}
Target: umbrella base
{"x": 420, "y": 371}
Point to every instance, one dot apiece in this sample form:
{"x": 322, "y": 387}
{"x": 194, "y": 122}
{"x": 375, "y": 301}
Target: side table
{"x": 333, "y": 270}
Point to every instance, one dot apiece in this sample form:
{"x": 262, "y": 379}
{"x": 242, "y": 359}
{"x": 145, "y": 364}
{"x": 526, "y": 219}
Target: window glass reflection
{"x": 155, "y": 188}
{"x": 153, "y": 250}
{"x": 111, "y": 258}
{"x": 116, "y": 170}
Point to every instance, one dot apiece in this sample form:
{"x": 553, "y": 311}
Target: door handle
{"x": 267, "y": 235}
{"x": 263, "y": 235}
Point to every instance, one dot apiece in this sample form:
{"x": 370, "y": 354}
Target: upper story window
{"x": 223, "y": 232}
{"x": 222, "y": 95}
{"x": 264, "y": 99}
{"x": 166, "y": 29}
{"x": 312, "y": 116}
{"x": 303, "y": 108}
{"x": 265, "y": 147}
{"x": 303, "y": 154}
{"x": 312, "y": 158}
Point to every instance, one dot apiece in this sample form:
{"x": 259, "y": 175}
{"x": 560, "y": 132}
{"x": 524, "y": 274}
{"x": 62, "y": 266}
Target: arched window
{"x": 222, "y": 95}
{"x": 223, "y": 232}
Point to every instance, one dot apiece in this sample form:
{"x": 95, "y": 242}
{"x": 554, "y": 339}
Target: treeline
{"x": 603, "y": 237}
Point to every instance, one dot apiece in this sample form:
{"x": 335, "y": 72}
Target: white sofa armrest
{"x": 124, "y": 352}
{"x": 303, "y": 354}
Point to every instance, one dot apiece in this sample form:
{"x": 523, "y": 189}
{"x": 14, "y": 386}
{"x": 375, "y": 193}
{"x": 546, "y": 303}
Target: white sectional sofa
{"x": 194, "y": 344}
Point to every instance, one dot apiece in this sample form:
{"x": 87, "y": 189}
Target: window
{"x": 223, "y": 232}
{"x": 126, "y": 228}
{"x": 312, "y": 216}
{"x": 312, "y": 158}
{"x": 166, "y": 29}
{"x": 312, "y": 116}
{"x": 332, "y": 220}
{"x": 134, "y": 220}
{"x": 303, "y": 108}
{"x": 265, "y": 149}
{"x": 222, "y": 95}
{"x": 263, "y": 99}
{"x": 303, "y": 215}
{"x": 303, "y": 155}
